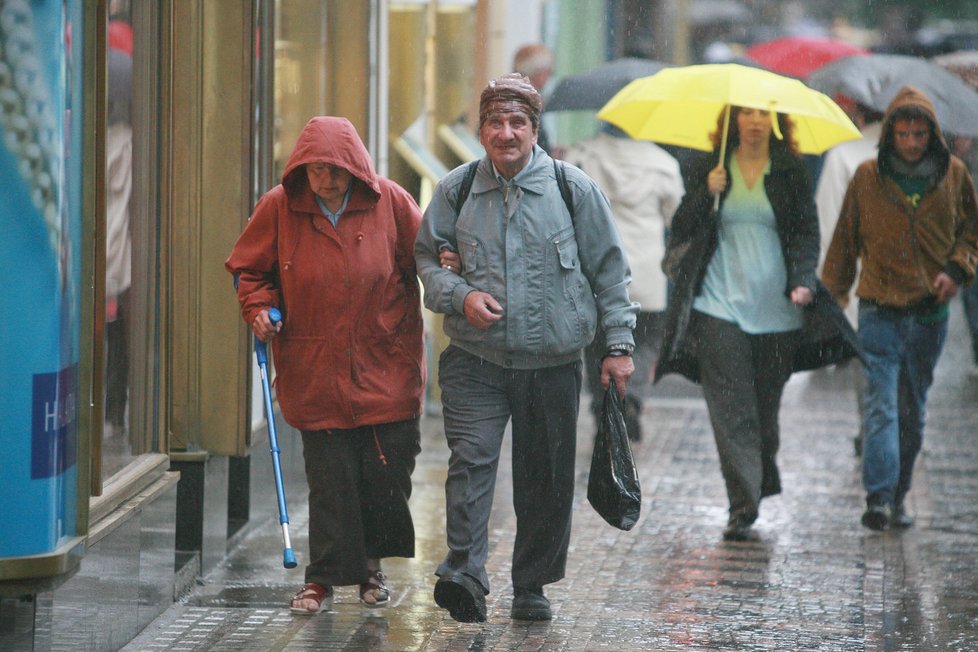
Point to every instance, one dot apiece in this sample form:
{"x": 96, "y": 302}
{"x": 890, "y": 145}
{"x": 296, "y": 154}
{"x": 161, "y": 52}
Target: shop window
{"x": 131, "y": 244}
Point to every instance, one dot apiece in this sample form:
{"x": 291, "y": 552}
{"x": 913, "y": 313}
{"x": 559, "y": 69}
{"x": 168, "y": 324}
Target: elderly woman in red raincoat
{"x": 332, "y": 248}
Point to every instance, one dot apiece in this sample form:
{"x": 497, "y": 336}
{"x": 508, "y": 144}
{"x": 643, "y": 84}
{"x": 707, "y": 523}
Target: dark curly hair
{"x": 785, "y": 123}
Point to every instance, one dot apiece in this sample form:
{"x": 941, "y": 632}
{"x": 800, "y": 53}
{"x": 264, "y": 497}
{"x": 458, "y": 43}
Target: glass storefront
{"x": 131, "y": 239}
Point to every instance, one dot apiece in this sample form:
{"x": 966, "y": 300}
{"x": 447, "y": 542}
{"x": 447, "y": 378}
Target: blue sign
{"x": 40, "y": 253}
{"x": 54, "y": 436}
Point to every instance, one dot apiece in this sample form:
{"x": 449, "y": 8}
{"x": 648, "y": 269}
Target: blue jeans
{"x": 901, "y": 353}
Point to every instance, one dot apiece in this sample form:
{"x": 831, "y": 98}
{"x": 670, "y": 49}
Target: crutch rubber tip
{"x": 289, "y": 559}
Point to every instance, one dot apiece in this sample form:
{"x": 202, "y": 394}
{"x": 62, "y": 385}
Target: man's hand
{"x": 263, "y": 327}
{"x": 481, "y": 310}
{"x": 945, "y": 288}
{"x": 620, "y": 368}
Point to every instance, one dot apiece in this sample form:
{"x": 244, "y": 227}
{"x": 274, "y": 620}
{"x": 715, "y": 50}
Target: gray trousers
{"x": 478, "y": 400}
{"x": 743, "y": 377}
{"x": 359, "y": 486}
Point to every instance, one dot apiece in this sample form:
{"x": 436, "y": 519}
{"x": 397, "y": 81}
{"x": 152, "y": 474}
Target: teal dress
{"x": 745, "y": 281}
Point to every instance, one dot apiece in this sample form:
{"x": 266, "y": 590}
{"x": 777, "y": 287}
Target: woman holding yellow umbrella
{"x": 746, "y": 309}
{"x": 745, "y": 292}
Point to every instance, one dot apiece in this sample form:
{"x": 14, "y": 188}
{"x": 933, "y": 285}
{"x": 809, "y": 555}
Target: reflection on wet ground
{"x": 814, "y": 580}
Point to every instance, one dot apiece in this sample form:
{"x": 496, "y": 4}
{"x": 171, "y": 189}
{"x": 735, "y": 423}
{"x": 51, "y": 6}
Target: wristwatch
{"x": 618, "y": 350}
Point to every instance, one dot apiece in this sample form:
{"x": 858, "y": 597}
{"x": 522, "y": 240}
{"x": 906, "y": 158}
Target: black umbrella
{"x": 875, "y": 79}
{"x": 589, "y": 91}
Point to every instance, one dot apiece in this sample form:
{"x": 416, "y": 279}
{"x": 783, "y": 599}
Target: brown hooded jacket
{"x": 902, "y": 248}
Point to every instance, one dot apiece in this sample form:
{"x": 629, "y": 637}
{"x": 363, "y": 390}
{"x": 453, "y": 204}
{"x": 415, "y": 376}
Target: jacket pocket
{"x": 572, "y": 313}
{"x": 469, "y": 251}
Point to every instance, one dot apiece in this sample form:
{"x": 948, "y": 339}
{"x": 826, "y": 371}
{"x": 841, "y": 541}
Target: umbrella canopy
{"x": 963, "y": 63}
{"x": 680, "y": 106}
{"x": 874, "y": 81}
{"x": 798, "y": 56}
{"x": 592, "y": 89}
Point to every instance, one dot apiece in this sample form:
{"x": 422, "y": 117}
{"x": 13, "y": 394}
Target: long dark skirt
{"x": 359, "y": 486}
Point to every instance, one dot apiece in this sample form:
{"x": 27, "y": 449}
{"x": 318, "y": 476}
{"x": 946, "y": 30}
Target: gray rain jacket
{"x": 553, "y": 275}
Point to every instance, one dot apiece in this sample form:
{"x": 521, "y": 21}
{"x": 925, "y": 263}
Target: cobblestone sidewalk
{"x": 815, "y": 580}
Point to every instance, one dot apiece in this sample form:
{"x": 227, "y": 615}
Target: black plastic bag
{"x": 613, "y": 488}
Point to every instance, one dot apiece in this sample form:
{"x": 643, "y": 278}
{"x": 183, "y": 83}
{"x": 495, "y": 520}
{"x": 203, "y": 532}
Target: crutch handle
{"x": 261, "y": 350}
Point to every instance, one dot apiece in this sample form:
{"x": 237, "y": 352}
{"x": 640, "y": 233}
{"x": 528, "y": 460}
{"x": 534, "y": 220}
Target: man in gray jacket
{"x": 522, "y": 276}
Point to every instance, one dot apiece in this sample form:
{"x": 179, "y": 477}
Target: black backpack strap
{"x": 466, "y": 186}
{"x": 564, "y": 188}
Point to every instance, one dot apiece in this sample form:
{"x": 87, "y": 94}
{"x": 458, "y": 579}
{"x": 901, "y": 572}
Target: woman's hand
{"x": 802, "y": 296}
{"x": 263, "y": 327}
{"x": 716, "y": 180}
{"x": 450, "y": 260}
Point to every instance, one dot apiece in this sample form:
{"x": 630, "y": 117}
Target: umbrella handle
{"x": 723, "y": 150}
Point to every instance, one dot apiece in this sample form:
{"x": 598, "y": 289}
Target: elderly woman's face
{"x": 329, "y": 182}
{"x": 509, "y": 138}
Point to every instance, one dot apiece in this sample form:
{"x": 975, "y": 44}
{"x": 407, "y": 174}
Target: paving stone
{"x": 814, "y": 580}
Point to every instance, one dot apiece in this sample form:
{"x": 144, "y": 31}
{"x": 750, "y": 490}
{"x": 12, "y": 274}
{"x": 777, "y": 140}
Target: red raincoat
{"x": 350, "y": 352}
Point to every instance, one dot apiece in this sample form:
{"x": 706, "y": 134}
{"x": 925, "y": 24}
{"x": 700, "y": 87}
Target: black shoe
{"x": 877, "y": 515}
{"x": 900, "y": 518}
{"x": 530, "y": 604}
{"x": 739, "y": 532}
{"x": 462, "y": 596}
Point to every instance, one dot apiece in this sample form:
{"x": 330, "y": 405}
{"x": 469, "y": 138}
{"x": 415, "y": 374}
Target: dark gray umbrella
{"x": 591, "y": 90}
{"x": 875, "y": 79}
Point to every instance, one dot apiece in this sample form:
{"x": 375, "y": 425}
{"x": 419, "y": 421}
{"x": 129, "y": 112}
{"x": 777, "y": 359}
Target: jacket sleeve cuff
{"x": 957, "y": 274}
{"x": 459, "y": 292}
{"x": 619, "y": 335}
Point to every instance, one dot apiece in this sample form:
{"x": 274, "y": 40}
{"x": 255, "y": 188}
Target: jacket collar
{"x": 535, "y": 177}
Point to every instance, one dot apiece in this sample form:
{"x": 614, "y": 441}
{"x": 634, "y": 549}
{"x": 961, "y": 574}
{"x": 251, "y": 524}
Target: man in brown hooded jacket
{"x": 910, "y": 217}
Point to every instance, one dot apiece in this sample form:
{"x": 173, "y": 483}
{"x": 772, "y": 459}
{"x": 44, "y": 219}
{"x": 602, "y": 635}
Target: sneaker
{"x": 877, "y": 515}
{"x": 311, "y": 599}
{"x": 462, "y": 596}
{"x": 900, "y": 518}
{"x": 530, "y": 604}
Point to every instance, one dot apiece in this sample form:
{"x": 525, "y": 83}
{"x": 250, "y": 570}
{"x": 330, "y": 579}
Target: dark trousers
{"x": 743, "y": 377}
{"x": 478, "y": 400}
{"x": 117, "y": 363}
{"x": 359, "y": 486}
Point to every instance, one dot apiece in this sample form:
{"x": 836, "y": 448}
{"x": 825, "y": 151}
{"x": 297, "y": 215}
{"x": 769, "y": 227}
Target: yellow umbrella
{"x": 679, "y": 106}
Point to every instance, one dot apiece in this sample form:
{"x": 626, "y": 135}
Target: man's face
{"x": 509, "y": 139}
{"x": 910, "y": 139}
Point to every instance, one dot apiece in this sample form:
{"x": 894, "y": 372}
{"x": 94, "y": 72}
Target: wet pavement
{"x": 814, "y": 580}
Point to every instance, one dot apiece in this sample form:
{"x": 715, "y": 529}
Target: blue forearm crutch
{"x": 283, "y": 513}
